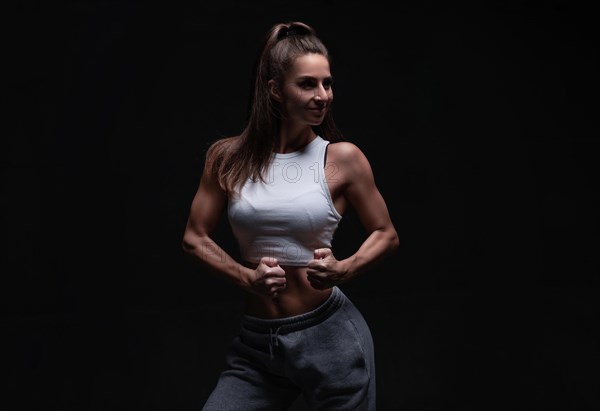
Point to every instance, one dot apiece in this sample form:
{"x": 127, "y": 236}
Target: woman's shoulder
{"x": 344, "y": 151}
{"x": 218, "y": 151}
{"x": 221, "y": 146}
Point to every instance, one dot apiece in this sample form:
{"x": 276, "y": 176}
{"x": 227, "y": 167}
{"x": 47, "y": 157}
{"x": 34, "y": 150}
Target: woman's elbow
{"x": 394, "y": 242}
{"x": 189, "y": 242}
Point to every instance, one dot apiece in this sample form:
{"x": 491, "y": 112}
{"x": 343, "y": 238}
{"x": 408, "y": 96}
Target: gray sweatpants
{"x": 325, "y": 354}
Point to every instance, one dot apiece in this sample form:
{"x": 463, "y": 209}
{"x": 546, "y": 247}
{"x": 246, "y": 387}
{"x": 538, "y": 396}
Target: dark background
{"x": 480, "y": 122}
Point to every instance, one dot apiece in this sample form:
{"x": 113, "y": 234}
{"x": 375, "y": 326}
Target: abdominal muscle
{"x": 298, "y": 297}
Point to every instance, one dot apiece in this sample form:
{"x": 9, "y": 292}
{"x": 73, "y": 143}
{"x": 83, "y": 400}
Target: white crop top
{"x": 291, "y": 214}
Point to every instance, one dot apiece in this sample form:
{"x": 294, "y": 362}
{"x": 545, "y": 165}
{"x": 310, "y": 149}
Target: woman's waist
{"x": 298, "y": 297}
{"x": 290, "y": 313}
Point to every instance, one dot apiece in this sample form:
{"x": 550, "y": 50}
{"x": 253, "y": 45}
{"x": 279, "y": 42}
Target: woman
{"x": 285, "y": 182}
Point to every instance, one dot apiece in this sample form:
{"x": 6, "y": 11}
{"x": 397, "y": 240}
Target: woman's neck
{"x": 293, "y": 140}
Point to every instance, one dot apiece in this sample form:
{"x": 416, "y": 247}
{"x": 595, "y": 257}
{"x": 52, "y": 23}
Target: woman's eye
{"x": 306, "y": 85}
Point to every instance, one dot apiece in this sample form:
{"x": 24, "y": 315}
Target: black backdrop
{"x": 480, "y": 122}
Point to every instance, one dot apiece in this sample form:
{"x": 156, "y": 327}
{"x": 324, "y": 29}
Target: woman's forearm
{"x": 375, "y": 248}
{"x": 219, "y": 263}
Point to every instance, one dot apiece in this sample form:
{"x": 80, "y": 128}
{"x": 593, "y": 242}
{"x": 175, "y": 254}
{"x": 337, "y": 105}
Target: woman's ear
{"x": 274, "y": 90}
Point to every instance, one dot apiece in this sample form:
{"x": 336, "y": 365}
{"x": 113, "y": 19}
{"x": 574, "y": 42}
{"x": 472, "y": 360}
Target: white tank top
{"x": 291, "y": 214}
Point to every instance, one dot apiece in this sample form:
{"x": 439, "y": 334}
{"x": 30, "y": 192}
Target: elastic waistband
{"x": 297, "y": 322}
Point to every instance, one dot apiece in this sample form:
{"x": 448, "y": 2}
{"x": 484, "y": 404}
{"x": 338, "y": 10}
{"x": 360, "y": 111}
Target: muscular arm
{"x": 205, "y": 212}
{"x": 364, "y": 196}
{"x": 267, "y": 279}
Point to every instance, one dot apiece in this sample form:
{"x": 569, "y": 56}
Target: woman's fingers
{"x": 275, "y": 281}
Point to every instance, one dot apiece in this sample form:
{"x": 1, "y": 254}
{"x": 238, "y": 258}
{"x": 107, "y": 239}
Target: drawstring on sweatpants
{"x": 273, "y": 340}
{"x": 263, "y": 328}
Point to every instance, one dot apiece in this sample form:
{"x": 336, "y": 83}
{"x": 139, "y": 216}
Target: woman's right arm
{"x": 206, "y": 210}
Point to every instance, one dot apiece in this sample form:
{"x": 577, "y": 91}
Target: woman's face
{"x": 306, "y": 93}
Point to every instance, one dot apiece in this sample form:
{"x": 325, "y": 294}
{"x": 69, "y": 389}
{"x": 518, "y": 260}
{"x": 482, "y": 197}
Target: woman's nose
{"x": 320, "y": 93}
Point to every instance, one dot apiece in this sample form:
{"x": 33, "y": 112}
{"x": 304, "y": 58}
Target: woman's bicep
{"x": 207, "y": 206}
{"x": 365, "y": 197}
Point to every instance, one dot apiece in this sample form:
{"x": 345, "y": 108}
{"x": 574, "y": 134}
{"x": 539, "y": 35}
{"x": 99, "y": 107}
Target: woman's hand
{"x": 324, "y": 271}
{"x": 268, "y": 279}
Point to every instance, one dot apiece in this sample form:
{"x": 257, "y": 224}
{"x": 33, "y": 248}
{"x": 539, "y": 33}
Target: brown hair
{"x": 235, "y": 159}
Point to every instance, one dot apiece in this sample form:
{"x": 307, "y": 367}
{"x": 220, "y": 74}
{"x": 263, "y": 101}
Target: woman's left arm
{"x": 362, "y": 193}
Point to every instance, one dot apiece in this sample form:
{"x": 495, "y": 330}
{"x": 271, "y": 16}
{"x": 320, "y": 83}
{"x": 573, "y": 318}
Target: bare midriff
{"x": 298, "y": 297}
